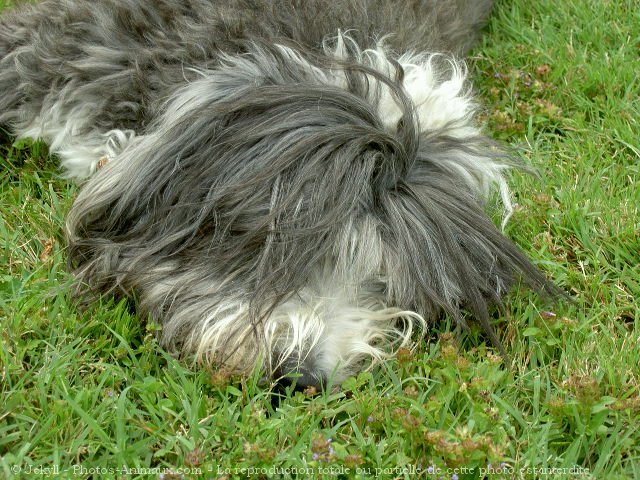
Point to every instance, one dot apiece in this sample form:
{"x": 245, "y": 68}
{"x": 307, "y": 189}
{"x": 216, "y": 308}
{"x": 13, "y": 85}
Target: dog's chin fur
{"x": 307, "y": 208}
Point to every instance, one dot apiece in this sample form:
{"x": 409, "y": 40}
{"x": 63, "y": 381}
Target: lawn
{"x": 90, "y": 393}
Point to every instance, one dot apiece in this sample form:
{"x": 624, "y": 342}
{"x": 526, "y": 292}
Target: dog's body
{"x": 292, "y": 181}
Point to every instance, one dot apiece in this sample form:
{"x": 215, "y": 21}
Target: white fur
{"x": 331, "y": 322}
{"x": 69, "y": 135}
{"x": 333, "y": 328}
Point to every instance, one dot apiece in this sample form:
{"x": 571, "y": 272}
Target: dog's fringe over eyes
{"x": 304, "y": 208}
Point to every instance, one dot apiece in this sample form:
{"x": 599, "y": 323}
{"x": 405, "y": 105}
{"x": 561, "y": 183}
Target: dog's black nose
{"x": 302, "y": 374}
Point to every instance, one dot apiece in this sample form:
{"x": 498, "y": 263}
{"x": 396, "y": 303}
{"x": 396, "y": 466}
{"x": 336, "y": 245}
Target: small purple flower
{"x": 314, "y": 456}
{"x": 516, "y": 95}
{"x": 331, "y": 451}
{"x": 504, "y": 465}
{"x": 521, "y": 73}
{"x": 497, "y": 75}
{"x": 370, "y": 418}
{"x": 454, "y": 476}
{"x": 329, "y": 440}
{"x": 527, "y": 83}
{"x": 431, "y": 469}
{"x": 161, "y": 476}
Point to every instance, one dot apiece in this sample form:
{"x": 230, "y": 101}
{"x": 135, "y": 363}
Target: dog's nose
{"x": 302, "y": 374}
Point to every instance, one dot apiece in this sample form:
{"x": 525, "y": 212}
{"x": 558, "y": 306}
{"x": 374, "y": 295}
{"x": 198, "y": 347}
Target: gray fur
{"x": 127, "y": 57}
{"x": 251, "y": 175}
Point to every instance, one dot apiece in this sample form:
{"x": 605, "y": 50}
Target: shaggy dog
{"x": 299, "y": 183}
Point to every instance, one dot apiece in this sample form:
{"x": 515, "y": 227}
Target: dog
{"x": 298, "y": 184}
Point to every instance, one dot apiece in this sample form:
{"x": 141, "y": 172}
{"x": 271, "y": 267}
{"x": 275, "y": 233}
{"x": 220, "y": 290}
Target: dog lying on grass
{"x": 296, "y": 183}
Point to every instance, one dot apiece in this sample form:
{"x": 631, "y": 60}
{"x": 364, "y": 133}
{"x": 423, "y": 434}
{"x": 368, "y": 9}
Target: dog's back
{"x": 125, "y": 56}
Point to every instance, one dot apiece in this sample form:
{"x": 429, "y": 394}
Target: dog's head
{"x": 302, "y": 209}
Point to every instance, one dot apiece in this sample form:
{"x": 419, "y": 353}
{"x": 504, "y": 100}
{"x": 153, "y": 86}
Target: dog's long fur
{"x": 299, "y": 182}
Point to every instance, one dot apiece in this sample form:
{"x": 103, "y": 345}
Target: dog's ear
{"x": 444, "y": 250}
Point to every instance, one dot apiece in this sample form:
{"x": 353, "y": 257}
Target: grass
{"x": 85, "y": 393}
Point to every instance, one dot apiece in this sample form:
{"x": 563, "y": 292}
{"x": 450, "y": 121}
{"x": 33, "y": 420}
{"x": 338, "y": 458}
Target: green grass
{"x": 92, "y": 390}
